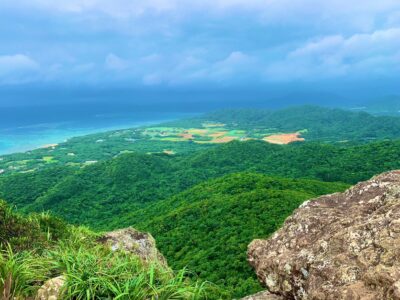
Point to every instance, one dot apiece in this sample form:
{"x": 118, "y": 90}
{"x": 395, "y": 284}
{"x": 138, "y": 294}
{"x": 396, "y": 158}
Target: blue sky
{"x": 180, "y": 44}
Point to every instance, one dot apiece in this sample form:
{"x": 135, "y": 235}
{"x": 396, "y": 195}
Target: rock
{"x": 263, "y": 296}
{"x": 136, "y": 242}
{"x": 52, "y": 289}
{"x": 340, "y": 246}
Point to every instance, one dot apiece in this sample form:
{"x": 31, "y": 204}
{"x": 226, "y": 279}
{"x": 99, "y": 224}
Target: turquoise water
{"x": 30, "y": 136}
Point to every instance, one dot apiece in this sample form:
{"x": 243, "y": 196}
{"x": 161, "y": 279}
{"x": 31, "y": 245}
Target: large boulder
{"x": 52, "y": 289}
{"x": 131, "y": 240}
{"x": 340, "y": 246}
{"x": 263, "y": 296}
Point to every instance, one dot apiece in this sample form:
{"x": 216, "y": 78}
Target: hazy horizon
{"x": 302, "y": 51}
{"x": 63, "y": 64}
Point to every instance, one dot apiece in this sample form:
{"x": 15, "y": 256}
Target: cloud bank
{"x": 197, "y": 43}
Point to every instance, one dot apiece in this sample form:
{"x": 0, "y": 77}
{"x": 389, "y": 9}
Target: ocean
{"x": 26, "y": 128}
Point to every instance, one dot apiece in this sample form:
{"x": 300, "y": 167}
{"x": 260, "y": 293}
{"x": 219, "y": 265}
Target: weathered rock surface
{"x": 128, "y": 239}
{"x": 52, "y": 289}
{"x": 263, "y": 296}
{"x": 133, "y": 241}
{"x": 340, "y": 246}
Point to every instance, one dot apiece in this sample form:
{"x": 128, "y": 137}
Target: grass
{"x": 49, "y": 159}
{"x": 20, "y": 273}
{"x": 98, "y": 273}
{"x": 36, "y": 248}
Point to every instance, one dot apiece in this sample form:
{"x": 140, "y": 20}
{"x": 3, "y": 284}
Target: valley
{"x": 180, "y": 137}
{"x": 205, "y": 187}
{"x": 199, "y": 150}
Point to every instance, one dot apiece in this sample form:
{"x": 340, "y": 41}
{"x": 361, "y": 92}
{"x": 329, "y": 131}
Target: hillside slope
{"x": 341, "y": 246}
{"x": 208, "y": 227}
{"x": 304, "y": 123}
{"x": 319, "y": 123}
{"x": 96, "y": 194}
{"x": 75, "y": 263}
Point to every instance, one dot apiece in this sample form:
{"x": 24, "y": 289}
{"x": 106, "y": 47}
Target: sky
{"x": 207, "y": 44}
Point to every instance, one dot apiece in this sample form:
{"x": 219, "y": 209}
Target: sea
{"x": 33, "y": 117}
{"x": 27, "y": 128}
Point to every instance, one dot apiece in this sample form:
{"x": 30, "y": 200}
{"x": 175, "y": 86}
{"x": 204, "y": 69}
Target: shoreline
{"x": 49, "y": 137}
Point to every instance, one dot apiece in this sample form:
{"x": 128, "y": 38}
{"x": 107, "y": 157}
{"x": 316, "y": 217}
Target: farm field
{"x": 217, "y": 134}
{"x": 284, "y": 139}
{"x": 184, "y": 136}
{"x": 163, "y": 140}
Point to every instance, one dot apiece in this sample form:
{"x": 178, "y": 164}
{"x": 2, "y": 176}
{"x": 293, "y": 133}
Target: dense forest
{"x": 319, "y": 123}
{"x": 96, "y": 194}
{"x": 203, "y": 201}
{"x": 39, "y": 247}
{"x": 142, "y": 190}
{"x": 313, "y": 123}
{"x": 208, "y": 227}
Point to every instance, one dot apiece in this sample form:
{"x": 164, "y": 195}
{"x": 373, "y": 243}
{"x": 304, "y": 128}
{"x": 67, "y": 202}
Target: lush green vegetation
{"x": 109, "y": 190}
{"x": 208, "y": 227}
{"x": 314, "y": 123}
{"x": 204, "y": 203}
{"x": 39, "y": 247}
{"x": 322, "y": 124}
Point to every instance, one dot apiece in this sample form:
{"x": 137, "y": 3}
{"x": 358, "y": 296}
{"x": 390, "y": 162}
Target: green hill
{"x": 188, "y": 136}
{"x": 205, "y": 202}
{"x": 96, "y": 194}
{"x": 208, "y": 227}
{"x": 36, "y": 248}
{"x": 318, "y": 123}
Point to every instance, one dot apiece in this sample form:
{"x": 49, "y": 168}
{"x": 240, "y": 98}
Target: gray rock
{"x": 52, "y": 289}
{"x": 133, "y": 241}
{"x": 340, "y": 246}
{"x": 263, "y": 296}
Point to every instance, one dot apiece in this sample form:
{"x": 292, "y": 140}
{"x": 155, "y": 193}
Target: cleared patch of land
{"x": 283, "y": 139}
{"x": 169, "y": 152}
{"x": 218, "y": 134}
{"x": 213, "y": 125}
{"x": 214, "y": 133}
{"x": 187, "y": 136}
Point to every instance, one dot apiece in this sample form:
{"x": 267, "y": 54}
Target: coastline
{"x": 42, "y": 137}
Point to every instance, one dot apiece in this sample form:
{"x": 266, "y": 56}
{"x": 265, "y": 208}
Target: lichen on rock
{"x": 52, "y": 289}
{"x": 131, "y": 240}
{"x": 339, "y": 246}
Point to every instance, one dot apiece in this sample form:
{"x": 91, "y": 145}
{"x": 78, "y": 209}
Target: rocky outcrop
{"x": 138, "y": 243}
{"x": 263, "y": 296}
{"x": 52, "y": 289}
{"x": 135, "y": 242}
{"x": 340, "y": 246}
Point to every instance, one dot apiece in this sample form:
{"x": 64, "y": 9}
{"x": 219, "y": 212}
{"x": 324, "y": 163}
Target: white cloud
{"x": 17, "y": 68}
{"x": 334, "y": 56}
{"x": 236, "y": 63}
{"x": 17, "y": 63}
{"x": 152, "y": 79}
{"x": 176, "y": 41}
{"x": 270, "y": 9}
{"x": 181, "y": 69}
{"x": 393, "y": 19}
{"x": 115, "y": 63}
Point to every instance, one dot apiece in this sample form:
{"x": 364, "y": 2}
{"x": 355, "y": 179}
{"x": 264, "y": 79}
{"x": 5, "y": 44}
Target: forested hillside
{"x": 208, "y": 227}
{"x": 318, "y": 123}
{"x": 38, "y": 248}
{"x": 207, "y": 186}
{"x": 106, "y": 192}
{"x": 302, "y": 124}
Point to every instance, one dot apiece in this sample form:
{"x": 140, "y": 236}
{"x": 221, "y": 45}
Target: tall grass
{"x": 99, "y": 273}
{"x": 36, "y": 248}
{"x": 21, "y": 273}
